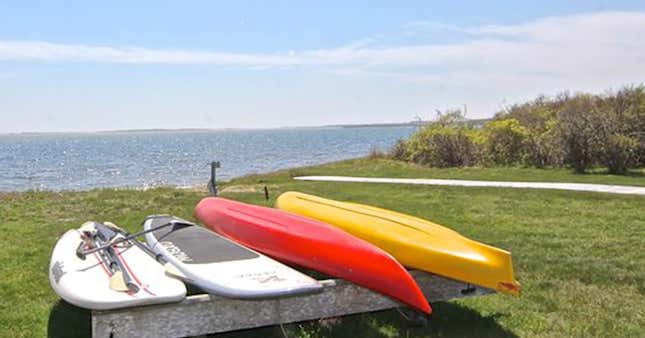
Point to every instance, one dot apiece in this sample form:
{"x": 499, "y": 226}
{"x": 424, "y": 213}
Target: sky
{"x": 88, "y": 66}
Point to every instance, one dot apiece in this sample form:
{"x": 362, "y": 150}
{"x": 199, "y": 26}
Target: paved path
{"x": 613, "y": 189}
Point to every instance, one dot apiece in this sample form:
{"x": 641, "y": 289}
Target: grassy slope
{"x": 578, "y": 255}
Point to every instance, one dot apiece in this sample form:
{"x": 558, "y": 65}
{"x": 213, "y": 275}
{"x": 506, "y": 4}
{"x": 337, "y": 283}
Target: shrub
{"x": 376, "y": 153}
{"x": 399, "y": 151}
{"x": 619, "y": 153}
{"x": 544, "y": 147}
{"x": 442, "y": 146}
{"x": 444, "y": 143}
{"x": 625, "y": 129}
{"x": 534, "y": 115}
{"x": 581, "y": 132}
{"x": 505, "y": 142}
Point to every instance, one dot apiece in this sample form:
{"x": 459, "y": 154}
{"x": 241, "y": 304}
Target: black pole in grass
{"x": 212, "y": 183}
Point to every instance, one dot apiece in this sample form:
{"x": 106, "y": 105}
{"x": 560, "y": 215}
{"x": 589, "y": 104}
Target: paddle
{"x": 90, "y": 238}
{"x": 120, "y": 279}
{"x": 169, "y": 267}
{"x": 117, "y": 283}
{"x": 82, "y": 253}
{"x": 140, "y": 245}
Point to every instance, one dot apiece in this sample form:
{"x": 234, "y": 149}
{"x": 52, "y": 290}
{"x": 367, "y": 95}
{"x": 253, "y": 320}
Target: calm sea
{"x": 176, "y": 158}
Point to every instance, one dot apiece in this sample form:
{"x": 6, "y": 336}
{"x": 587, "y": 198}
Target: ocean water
{"x": 174, "y": 158}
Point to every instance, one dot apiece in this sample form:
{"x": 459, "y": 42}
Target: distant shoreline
{"x": 474, "y": 122}
{"x": 162, "y": 130}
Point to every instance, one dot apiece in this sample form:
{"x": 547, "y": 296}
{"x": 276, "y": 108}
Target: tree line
{"x": 580, "y": 131}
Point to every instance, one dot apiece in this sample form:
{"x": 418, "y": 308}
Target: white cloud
{"x": 603, "y": 27}
{"x": 582, "y": 52}
{"x": 46, "y": 51}
{"x": 558, "y": 45}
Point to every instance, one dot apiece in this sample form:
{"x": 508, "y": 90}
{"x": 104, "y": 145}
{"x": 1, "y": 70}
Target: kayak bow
{"x": 415, "y": 242}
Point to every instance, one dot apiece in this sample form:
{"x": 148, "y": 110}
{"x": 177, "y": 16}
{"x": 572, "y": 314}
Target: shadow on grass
{"x": 66, "y": 320}
{"x": 448, "y": 320}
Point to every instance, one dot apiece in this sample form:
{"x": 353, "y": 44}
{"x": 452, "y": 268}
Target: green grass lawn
{"x": 387, "y": 168}
{"x": 579, "y": 256}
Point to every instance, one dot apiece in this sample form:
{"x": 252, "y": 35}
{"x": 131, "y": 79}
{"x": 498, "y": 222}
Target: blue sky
{"x": 86, "y": 66}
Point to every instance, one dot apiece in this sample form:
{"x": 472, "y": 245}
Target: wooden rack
{"x": 205, "y": 314}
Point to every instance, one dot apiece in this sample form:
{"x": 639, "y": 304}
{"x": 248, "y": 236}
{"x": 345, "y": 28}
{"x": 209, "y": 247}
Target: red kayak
{"x": 313, "y": 245}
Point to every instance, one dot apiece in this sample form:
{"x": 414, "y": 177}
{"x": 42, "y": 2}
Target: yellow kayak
{"x": 414, "y": 242}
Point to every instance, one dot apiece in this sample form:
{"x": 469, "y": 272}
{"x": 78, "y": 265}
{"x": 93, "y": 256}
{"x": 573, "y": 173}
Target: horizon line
{"x": 151, "y": 130}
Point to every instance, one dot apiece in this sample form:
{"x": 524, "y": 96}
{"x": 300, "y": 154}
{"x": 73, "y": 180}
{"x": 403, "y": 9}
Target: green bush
{"x": 399, "y": 151}
{"x": 444, "y": 143}
{"x": 534, "y": 115}
{"x": 376, "y": 153}
{"x": 506, "y": 142}
{"x": 619, "y": 153}
{"x": 544, "y": 148}
{"x": 625, "y": 144}
{"x": 443, "y": 146}
{"x": 543, "y": 145}
{"x": 580, "y": 131}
